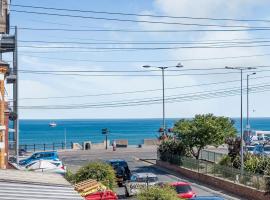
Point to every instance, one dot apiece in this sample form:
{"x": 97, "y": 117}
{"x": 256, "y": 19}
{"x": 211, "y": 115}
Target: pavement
{"x": 75, "y": 159}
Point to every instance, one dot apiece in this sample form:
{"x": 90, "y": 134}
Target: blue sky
{"x": 44, "y": 85}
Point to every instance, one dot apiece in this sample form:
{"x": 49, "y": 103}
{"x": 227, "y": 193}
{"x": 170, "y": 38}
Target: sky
{"x": 81, "y": 90}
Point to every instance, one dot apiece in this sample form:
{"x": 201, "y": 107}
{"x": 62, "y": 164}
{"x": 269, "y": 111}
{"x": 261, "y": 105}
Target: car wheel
{"x": 126, "y": 192}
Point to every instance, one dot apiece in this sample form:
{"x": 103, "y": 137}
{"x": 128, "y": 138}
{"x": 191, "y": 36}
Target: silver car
{"x": 139, "y": 181}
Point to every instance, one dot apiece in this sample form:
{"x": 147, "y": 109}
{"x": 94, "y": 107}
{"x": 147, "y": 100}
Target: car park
{"x": 139, "y": 181}
{"x": 183, "y": 189}
{"x": 121, "y": 169}
{"x": 52, "y": 155}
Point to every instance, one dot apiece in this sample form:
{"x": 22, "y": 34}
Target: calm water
{"x": 135, "y": 130}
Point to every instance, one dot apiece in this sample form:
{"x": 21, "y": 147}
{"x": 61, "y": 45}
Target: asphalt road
{"x": 74, "y": 160}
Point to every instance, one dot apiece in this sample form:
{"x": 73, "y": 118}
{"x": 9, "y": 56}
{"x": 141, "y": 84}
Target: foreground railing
{"x": 256, "y": 181}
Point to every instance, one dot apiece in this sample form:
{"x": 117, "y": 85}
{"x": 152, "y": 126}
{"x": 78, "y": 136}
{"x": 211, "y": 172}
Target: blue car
{"x": 262, "y": 150}
{"x": 40, "y": 156}
{"x": 207, "y": 198}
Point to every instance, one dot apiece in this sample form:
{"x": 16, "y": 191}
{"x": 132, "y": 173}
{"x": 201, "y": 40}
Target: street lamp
{"x": 241, "y": 69}
{"x": 179, "y": 65}
{"x": 248, "y": 123}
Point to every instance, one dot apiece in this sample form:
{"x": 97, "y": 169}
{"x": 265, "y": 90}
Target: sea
{"x": 80, "y": 130}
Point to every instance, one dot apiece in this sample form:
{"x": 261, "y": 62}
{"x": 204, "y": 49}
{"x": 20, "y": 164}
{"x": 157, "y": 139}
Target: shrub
{"x": 158, "y": 193}
{"x": 99, "y": 171}
{"x": 171, "y": 150}
{"x": 69, "y": 176}
{"x": 225, "y": 161}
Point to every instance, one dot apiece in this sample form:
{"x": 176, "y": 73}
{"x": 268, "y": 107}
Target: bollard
{"x": 114, "y": 145}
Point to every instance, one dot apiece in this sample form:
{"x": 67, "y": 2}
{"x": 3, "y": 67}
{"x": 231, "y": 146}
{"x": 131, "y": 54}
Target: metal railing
{"x": 256, "y": 181}
{"x": 211, "y": 156}
{"x": 43, "y": 147}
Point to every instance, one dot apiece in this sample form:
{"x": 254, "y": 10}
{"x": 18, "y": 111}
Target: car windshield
{"x": 182, "y": 188}
{"x": 267, "y": 148}
{"x": 147, "y": 179}
{"x": 120, "y": 163}
{"x": 250, "y": 148}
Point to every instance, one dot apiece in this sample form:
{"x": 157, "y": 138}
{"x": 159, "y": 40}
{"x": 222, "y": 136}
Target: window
{"x": 133, "y": 178}
{"x": 267, "y": 148}
{"x": 147, "y": 179}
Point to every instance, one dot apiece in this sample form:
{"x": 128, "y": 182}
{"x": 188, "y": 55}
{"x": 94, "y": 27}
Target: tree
{"x": 99, "y": 171}
{"x": 204, "y": 130}
{"x": 158, "y": 193}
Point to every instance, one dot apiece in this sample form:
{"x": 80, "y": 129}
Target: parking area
{"x": 75, "y": 159}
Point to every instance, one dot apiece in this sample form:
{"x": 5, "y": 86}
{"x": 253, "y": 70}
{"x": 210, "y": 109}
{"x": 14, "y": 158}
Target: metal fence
{"x": 256, "y": 181}
{"x": 211, "y": 156}
{"x": 43, "y": 147}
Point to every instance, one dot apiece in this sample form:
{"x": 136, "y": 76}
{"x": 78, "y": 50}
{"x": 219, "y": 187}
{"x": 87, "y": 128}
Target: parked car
{"x": 183, "y": 189}
{"x": 138, "y": 181}
{"x": 48, "y": 166}
{"x": 121, "y": 169}
{"x": 40, "y": 156}
{"x": 249, "y": 149}
{"x": 22, "y": 152}
{"x": 262, "y": 150}
{"x": 207, "y": 198}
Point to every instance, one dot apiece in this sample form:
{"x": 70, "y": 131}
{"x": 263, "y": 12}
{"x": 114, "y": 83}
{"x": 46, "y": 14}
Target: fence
{"x": 43, "y": 147}
{"x": 211, "y": 156}
{"x": 256, "y": 181}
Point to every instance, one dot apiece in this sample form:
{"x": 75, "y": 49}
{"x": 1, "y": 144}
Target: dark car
{"x": 121, "y": 169}
{"x": 207, "y": 198}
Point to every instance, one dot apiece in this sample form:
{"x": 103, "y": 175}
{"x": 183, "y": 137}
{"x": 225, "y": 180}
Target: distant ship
{"x": 52, "y": 124}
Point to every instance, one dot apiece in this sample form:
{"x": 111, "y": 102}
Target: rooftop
{"x": 25, "y": 185}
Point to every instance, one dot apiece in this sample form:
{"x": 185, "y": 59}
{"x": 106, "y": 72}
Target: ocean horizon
{"x": 38, "y": 131}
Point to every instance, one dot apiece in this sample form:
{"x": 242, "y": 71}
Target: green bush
{"x": 69, "y": 176}
{"x": 158, "y": 193}
{"x": 225, "y": 161}
{"x": 257, "y": 164}
{"x": 99, "y": 171}
{"x": 171, "y": 151}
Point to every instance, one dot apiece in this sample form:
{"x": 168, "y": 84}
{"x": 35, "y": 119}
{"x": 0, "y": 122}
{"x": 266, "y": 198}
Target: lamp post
{"x": 241, "y": 69}
{"x": 179, "y": 65}
{"x": 248, "y": 123}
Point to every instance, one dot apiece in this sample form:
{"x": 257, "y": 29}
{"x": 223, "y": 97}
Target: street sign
{"x": 105, "y": 131}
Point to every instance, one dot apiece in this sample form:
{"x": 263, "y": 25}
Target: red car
{"x": 183, "y": 189}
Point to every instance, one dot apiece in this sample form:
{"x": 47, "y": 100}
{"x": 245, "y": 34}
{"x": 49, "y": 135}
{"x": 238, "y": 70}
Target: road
{"x": 74, "y": 160}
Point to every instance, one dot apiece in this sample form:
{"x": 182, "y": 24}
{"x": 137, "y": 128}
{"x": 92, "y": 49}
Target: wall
{"x": 228, "y": 186}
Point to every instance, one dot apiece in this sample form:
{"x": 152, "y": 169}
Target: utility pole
{"x": 163, "y": 101}
{"x": 16, "y": 95}
{"x": 241, "y": 69}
